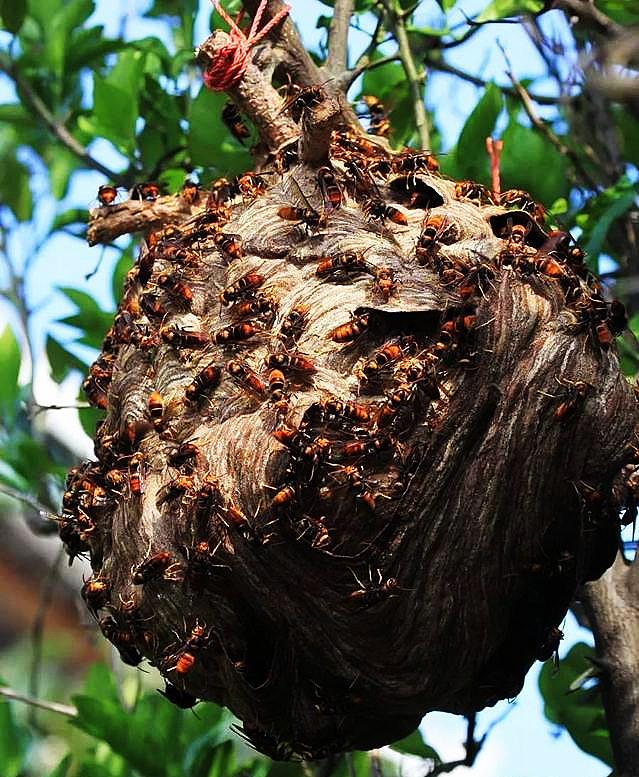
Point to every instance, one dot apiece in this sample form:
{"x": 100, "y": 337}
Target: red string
{"x": 229, "y": 63}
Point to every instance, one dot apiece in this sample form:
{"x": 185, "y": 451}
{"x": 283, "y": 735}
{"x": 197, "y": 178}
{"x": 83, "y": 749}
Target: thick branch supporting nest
{"x": 359, "y": 450}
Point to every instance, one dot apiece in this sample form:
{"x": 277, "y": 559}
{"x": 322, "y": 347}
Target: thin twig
{"x": 589, "y": 15}
{"x": 51, "y": 706}
{"x": 37, "y": 408}
{"x": 544, "y": 128}
{"x": 37, "y": 629}
{"x": 415, "y": 79}
{"x": 472, "y": 747}
{"x": 351, "y": 75}
{"x": 37, "y": 105}
{"x": 46, "y": 522}
{"x": 337, "y": 59}
{"x": 445, "y": 67}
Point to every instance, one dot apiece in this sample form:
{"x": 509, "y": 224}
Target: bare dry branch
{"x": 337, "y": 59}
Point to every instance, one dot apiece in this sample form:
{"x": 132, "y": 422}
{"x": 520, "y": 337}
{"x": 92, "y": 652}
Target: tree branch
{"x": 111, "y": 221}
{"x": 415, "y": 79}
{"x": 55, "y": 127}
{"x": 337, "y": 59}
{"x": 51, "y": 706}
{"x": 613, "y": 611}
{"x": 589, "y": 15}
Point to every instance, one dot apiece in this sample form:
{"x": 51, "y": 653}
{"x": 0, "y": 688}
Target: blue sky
{"x": 523, "y": 745}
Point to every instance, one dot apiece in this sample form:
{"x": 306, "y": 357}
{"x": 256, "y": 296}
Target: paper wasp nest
{"x": 362, "y": 432}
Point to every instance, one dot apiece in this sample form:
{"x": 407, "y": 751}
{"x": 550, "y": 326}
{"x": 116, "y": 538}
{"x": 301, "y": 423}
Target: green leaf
{"x": 115, "y": 100}
{"x": 606, "y": 219}
{"x": 90, "y": 318}
{"x": 500, "y": 9}
{"x": 580, "y": 712}
{"x": 10, "y": 360}
{"x": 61, "y": 165}
{"x": 61, "y": 361}
{"x": 15, "y": 190}
{"x": 624, "y": 12}
{"x": 211, "y": 755}
{"x": 13, "y": 743}
{"x": 446, "y": 5}
{"x": 62, "y": 769}
{"x": 12, "y": 13}
{"x": 471, "y": 160}
{"x": 68, "y": 217}
{"x": 210, "y": 142}
{"x": 530, "y": 162}
{"x": 138, "y": 744}
{"x": 414, "y": 744}
{"x": 100, "y": 683}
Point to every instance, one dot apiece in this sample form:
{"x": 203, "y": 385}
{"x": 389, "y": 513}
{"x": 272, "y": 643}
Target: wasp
{"x": 336, "y": 411}
{"x": 122, "y": 639}
{"x": 347, "y": 262}
{"x": 434, "y": 229}
{"x": 246, "y": 377}
{"x": 361, "y": 448}
{"x": 178, "y": 487}
{"x": 408, "y": 163}
{"x": 176, "y": 288}
{"x": 384, "y": 282}
{"x": 96, "y": 393}
{"x": 459, "y": 325}
{"x": 474, "y": 192}
{"x": 294, "y": 323}
{"x": 207, "y": 501}
{"x": 331, "y": 192}
{"x": 311, "y": 218}
{"x": 237, "y": 333}
{"x": 155, "y": 404}
{"x": 546, "y": 265}
{"x": 136, "y": 473}
{"x": 384, "y": 357}
{"x": 371, "y": 594}
{"x": 251, "y": 185}
{"x": 242, "y": 287}
{"x": 573, "y": 396}
{"x": 346, "y": 333}
{"x": 148, "y": 191}
{"x": 304, "y": 99}
{"x": 156, "y": 567}
{"x": 261, "y": 307}
{"x": 198, "y": 640}
{"x": 377, "y": 210}
{"x": 276, "y": 385}
{"x": 379, "y": 123}
{"x": 229, "y": 244}
{"x": 151, "y": 306}
{"x": 107, "y": 195}
{"x": 96, "y": 593}
{"x": 186, "y": 338}
{"x": 515, "y": 244}
{"x": 206, "y": 380}
{"x": 182, "y": 699}
{"x": 518, "y": 198}
{"x": 231, "y": 117}
{"x": 286, "y": 156}
{"x": 294, "y": 362}
{"x": 283, "y": 497}
{"x": 183, "y": 455}
{"x": 397, "y": 399}
{"x": 191, "y": 192}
